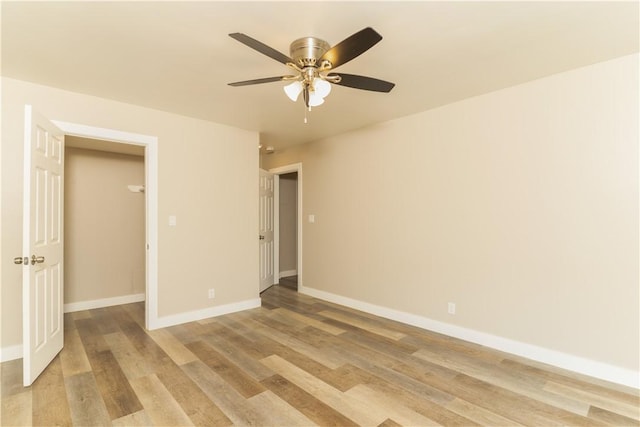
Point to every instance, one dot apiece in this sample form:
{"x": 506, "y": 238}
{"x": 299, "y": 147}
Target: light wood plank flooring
{"x": 290, "y": 282}
{"x": 296, "y": 361}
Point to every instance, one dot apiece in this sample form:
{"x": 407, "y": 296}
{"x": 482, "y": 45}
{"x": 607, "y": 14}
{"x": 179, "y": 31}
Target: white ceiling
{"x": 177, "y": 56}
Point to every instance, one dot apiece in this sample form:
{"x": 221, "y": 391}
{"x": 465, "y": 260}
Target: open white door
{"x": 266, "y": 229}
{"x": 42, "y": 283}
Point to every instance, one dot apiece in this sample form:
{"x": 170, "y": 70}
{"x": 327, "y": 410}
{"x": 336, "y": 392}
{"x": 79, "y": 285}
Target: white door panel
{"x": 266, "y": 225}
{"x": 42, "y": 284}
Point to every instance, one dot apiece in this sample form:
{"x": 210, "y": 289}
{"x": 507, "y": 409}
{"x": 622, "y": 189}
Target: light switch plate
{"x": 172, "y": 220}
{"x": 312, "y": 218}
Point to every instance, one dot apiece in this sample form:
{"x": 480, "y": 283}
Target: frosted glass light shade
{"x": 321, "y": 87}
{"x": 293, "y": 90}
{"x": 315, "y": 99}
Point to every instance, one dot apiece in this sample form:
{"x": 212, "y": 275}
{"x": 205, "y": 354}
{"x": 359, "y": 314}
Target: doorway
{"x": 150, "y": 145}
{"x": 105, "y": 222}
{"x": 288, "y": 221}
{"x": 288, "y": 230}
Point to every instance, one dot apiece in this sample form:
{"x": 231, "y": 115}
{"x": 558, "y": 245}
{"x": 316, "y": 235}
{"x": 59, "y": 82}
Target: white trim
{"x": 192, "y": 316}
{"x": 295, "y": 167}
{"x": 11, "y": 352}
{"x": 151, "y": 191}
{"x": 276, "y": 228}
{"x": 103, "y": 302}
{"x": 559, "y": 359}
{"x": 288, "y": 273}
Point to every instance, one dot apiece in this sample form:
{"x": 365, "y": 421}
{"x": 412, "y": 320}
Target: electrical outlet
{"x": 451, "y": 308}
{"x": 212, "y": 293}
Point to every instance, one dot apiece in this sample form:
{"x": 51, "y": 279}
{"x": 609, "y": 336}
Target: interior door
{"x": 42, "y": 283}
{"x": 266, "y": 229}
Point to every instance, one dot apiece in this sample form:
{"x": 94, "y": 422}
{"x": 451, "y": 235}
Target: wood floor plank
{"x": 478, "y": 414}
{"x": 592, "y": 399}
{"x": 188, "y": 332}
{"x": 502, "y": 401}
{"x": 292, "y": 356}
{"x": 277, "y": 412}
{"x": 573, "y": 379}
{"x": 136, "y": 312}
{"x": 137, "y": 419}
{"x": 389, "y": 423}
{"x": 154, "y": 356}
{"x": 85, "y": 401}
{"x": 91, "y": 337}
{"x": 396, "y": 349}
{"x": 388, "y": 407}
{"x": 331, "y": 361}
{"x": 241, "y": 356}
{"x": 159, "y": 405}
{"x": 116, "y": 391}
{"x": 11, "y": 378}
{"x": 324, "y": 392}
{"x": 611, "y": 418}
{"x": 236, "y": 377}
{"x": 350, "y": 320}
{"x": 131, "y": 361}
{"x": 232, "y": 403}
{"x": 77, "y": 315}
{"x": 316, "y": 410}
{"x": 310, "y": 321}
{"x": 380, "y": 365}
{"x": 195, "y": 403}
{"x": 50, "y": 406}
{"x": 105, "y": 319}
{"x": 496, "y": 376}
{"x": 16, "y": 409}
{"x": 345, "y": 377}
{"x": 172, "y": 346}
{"x": 424, "y": 398}
{"x": 73, "y": 357}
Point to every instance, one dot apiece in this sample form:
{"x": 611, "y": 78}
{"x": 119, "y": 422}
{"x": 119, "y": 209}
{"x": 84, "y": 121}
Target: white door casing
{"x": 43, "y": 219}
{"x": 266, "y": 229}
{"x": 150, "y": 143}
{"x": 297, "y": 168}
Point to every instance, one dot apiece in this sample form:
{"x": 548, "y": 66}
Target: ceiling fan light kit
{"x": 312, "y": 61}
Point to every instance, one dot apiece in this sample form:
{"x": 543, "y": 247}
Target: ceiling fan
{"x": 313, "y": 60}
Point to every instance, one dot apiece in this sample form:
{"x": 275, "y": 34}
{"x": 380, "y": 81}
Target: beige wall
{"x": 217, "y": 218}
{"x": 288, "y": 222}
{"x": 521, "y": 206}
{"x": 104, "y": 236}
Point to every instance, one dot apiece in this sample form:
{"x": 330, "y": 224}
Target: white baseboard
{"x": 104, "y": 302}
{"x": 12, "y": 352}
{"x": 566, "y": 361}
{"x": 288, "y": 273}
{"x": 192, "y": 316}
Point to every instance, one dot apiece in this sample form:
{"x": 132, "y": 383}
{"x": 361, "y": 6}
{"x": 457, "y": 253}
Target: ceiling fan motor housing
{"x": 306, "y": 51}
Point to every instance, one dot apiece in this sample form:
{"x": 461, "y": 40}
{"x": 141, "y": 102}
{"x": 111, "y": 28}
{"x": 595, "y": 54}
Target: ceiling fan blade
{"x": 365, "y": 83}
{"x": 351, "y": 47}
{"x": 259, "y": 81}
{"x": 261, "y": 47}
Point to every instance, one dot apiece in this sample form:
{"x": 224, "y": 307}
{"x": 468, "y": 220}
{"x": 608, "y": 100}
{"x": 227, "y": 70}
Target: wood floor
{"x": 296, "y": 361}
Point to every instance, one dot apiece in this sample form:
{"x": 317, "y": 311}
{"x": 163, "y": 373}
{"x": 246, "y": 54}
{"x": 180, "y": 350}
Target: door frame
{"x": 295, "y": 167}
{"x": 150, "y": 144}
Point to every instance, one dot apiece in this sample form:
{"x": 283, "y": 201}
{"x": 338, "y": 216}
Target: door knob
{"x": 261, "y": 237}
{"x": 21, "y": 260}
{"x": 36, "y": 259}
